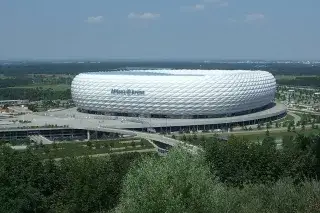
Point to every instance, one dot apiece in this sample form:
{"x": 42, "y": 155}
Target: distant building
{"x": 316, "y": 107}
{"x": 13, "y": 102}
{"x": 290, "y": 96}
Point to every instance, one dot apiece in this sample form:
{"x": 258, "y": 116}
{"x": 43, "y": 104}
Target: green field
{"x": 261, "y": 135}
{"x": 55, "y": 87}
{"x": 74, "y": 149}
{"x": 292, "y": 77}
{"x": 254, "y": 135}
{"x": 285, "y": 77}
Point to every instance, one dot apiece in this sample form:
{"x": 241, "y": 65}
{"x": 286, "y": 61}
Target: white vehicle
{"x": 151, "y": 130}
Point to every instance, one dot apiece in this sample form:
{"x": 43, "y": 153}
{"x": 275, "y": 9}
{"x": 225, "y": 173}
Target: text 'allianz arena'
{"x": 174, "y": 93}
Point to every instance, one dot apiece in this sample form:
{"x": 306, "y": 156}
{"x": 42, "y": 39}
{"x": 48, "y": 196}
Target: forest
{"x": 34, "y": 94}
{"x": 24, "y": 68}
{"x": 306, "y": 81}
{"x": 41, "y": 81}
{"x": 224, "y": 176}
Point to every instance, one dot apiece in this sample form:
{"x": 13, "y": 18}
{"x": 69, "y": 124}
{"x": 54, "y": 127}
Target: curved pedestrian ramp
{"x": 40, "y": 139}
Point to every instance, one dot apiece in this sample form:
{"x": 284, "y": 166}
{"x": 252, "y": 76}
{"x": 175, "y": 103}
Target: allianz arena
{"x": 180, "y": 94}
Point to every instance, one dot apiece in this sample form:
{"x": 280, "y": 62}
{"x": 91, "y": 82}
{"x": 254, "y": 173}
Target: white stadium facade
{"x": 179, "y": 94}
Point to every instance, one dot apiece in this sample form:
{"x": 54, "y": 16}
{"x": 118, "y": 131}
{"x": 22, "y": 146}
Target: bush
{"x": 179, "y": 182}
{"x": 183, "y": 183}
{"x": 70, "y": 185}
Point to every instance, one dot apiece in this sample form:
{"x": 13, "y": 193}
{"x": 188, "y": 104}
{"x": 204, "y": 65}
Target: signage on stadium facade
{"x": 126, "y": 92}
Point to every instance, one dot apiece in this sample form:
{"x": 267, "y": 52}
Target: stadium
{"x": 177, "y": 94}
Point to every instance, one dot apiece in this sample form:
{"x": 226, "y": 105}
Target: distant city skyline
{"x": 159, "y": 30}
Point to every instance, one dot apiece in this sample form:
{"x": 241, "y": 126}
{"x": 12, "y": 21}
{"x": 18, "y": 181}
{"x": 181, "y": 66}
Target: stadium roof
{"x": 170, "y": 72}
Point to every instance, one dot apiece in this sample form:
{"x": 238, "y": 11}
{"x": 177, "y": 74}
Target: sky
{"x": 162, "y": 29}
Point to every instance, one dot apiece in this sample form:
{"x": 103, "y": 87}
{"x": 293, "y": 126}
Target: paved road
{"x": 126, "y": 123}
{"x": 94, "y": 125}
{"x": 117, "y": 126}
{"x": 297, "y": 118}
{"x": 306, "y": 111}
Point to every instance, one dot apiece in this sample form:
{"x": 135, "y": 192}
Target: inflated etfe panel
{"x": 173, "y": 92}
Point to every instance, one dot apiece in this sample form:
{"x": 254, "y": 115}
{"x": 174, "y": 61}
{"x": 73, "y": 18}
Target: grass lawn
{"x": 292, "y": 77}
{"x": 261, "y": 135}
{"x": 287, "y": 118}
{"x": 254, "y": 135}
{"x": 55, "y": 87}
{"x": 73, "y": 149}
{"x": 285, "y": 77}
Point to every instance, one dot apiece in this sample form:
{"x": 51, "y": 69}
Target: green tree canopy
{"x": 180, "y": 182}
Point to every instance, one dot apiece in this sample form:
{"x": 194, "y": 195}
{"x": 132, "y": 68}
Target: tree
{"x": 267, "y": 133}
{"x": 268, "y": 125}
{"x": 173, "y": 137}
{"x": 23, "y": 185}
{"x": 287, "y": 142}
{"x": 269, "y": 143}
{"x": 111, "y": 144}
{"x": 239, "y": 161}
{"x": 133, "y": 144}
{"x": 97, "y": 145}
{"x": 89, "y": 144}
{"x": 195, "y": 137}
{"x": 289, "y": 128}
{"x": 55, "y": 146}
{"x": 91, "y": 184}
{"x": 184, "y": 137}
{"x": 202, "y": 138}
{"x": 41, "y": 144}
{"x": 259, "y": 127}
{"x": 177, "y": 183}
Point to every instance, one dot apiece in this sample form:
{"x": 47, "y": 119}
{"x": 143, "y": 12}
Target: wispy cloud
{"x": 145, "y": 16}
{"x": 94, "y": 19}
{"x": 203, "y": 5}
{"x": 232, "y": 20}
{"x": 198, "y": 7}
{"x": 254, "y": 17}
{"x": 220, "y": 3}
{"x": 224, "y": 4}
{"x": 193, "y": 8}
{"x": 249, "y": 18}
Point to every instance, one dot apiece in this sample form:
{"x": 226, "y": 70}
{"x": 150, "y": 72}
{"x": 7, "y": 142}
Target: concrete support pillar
{"x": 72, "y": 134}
{"x": 88, "y": 135}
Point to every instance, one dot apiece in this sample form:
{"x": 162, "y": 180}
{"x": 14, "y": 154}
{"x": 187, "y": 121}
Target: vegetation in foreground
{"x": 233, "y": 176}
{"x": 29, "y": 184}
{"x": 184, "y": 183}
